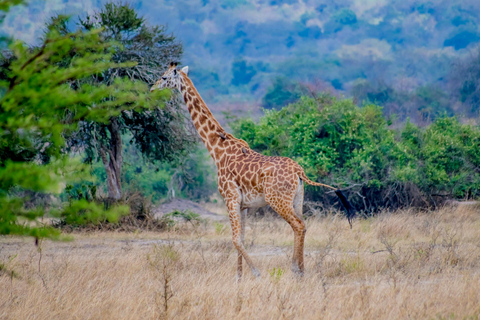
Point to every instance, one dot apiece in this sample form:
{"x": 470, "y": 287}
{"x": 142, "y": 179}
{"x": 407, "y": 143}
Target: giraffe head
{"x": 170, "y": 79}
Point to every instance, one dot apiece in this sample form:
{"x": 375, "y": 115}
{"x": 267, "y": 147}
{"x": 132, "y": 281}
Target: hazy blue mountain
{"x": 238, "y": 50}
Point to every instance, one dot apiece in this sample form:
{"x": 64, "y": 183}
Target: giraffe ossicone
{"x": 247, "y": 180}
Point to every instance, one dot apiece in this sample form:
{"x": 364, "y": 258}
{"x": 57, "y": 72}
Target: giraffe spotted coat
{"x": 246, "y": 179}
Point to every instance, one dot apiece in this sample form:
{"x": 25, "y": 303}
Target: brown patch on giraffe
{"x": 194, "y": 115}
{"x": 212, "y": 136}
{"x": 211, "y": 125}
{"x": 202, "y": 119}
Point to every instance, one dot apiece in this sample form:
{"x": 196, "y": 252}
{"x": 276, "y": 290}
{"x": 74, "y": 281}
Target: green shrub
{"x": 344, "y": 145}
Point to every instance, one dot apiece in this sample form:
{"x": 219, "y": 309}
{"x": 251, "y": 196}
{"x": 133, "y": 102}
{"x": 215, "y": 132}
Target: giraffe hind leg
{"x": 298, "y": 200}
{"x": 289, "y": 207}
{"x": 300, "y": 237}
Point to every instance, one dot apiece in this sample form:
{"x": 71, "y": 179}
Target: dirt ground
{"x": 396, "y": 266}
{"x": 184, "y": 205}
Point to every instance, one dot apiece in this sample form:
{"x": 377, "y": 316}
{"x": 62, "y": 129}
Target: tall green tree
{"x": 160, "y": 133}
{"x": 282, "y": 92}
{"x": 43, "y": 98}
{"x": 465, "y": 82}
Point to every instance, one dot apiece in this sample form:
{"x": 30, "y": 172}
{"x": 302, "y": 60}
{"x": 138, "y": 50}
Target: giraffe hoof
{"x": 297, "y": 271}
{"x": 299, "y": 274}
{"x": 256, "y": 273}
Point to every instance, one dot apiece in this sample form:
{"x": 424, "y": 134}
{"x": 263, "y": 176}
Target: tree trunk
{"x": 112, "y": 159}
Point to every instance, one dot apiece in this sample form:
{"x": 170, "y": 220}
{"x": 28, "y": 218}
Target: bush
{"x": 353, "y": 147}
{"x": 136, "y": 214}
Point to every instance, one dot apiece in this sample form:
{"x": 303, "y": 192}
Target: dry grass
{"x": 402, "y": 265}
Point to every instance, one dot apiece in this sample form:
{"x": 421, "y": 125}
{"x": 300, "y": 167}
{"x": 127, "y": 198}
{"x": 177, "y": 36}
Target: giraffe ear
{"x": 185, "y": 69}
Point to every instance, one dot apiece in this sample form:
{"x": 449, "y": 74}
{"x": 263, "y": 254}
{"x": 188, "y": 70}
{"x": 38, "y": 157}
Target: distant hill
{"x": 239, "y": 50}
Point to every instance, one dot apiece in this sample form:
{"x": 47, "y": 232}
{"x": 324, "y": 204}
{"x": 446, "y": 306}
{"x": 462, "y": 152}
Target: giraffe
{"x": 247, "y": 180}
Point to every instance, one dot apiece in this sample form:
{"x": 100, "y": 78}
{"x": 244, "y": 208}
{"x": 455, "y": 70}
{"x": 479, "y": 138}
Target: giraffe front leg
{"x": 243, "y": 218}
{"x": 239, "y": 266}
{"x": 233, "y": 206}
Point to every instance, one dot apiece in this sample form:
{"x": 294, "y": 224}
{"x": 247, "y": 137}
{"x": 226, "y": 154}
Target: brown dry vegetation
{"x": 396, "y": 266}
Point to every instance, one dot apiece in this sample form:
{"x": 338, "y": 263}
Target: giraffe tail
{"x": 303, "y": 176}
{"x": 349, "y": 210}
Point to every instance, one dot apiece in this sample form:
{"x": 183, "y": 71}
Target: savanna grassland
{"x": 394, "y": 266}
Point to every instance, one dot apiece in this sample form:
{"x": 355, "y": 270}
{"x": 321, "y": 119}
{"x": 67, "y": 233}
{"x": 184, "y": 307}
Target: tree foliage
{"x": 160, "y": 133}
{"x": 282, "y": 92}
{"x": 465, "y": 82}
{"x": 191, "y": 177}
{"x": 43, "y": 98}
{"x": 5, "y": 6}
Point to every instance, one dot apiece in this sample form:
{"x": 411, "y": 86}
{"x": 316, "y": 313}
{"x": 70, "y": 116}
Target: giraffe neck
{"x": 210, "y": 131}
